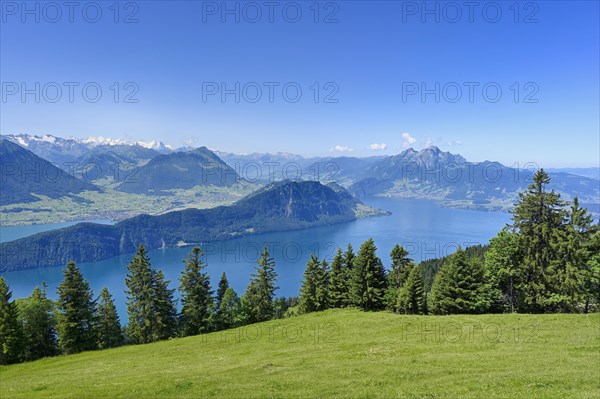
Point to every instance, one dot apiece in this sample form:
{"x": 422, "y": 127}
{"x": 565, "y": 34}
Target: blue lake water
{"x": 425, "y": 229}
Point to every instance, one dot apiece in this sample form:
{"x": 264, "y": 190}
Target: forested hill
{"x": 25, "y": 174}
{"x": 277, "y": 207}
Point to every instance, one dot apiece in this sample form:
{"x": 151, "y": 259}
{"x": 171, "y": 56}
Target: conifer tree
{"x": 140, "y": 298}
{"x": 165, "y": 307}
{"x": 538, "y": 217}
{"x": 568, "y": 272}
{"x": 411, "y": 296}
{"x": 459, "y": 286}
{"x": 223, "y": 285}
{"x": 339, "y": 285}
{"x": 258, "y": 299}
{"x": 592, "y": 277}
{"x": 11, "y": 334}
{"x": 109, "y": 326}
{"x": 369, "y": 280}
{"x": 229, "y": 310}
{"x": 313, "y": 293}
{"x": 76, "y": 312}
{"x": 36, "y": 314}
{"x": 401, "y": 268}
{"x": 150, "y": 306}
{"x": 196, "y": 295}
{"x": 502, "y": 272}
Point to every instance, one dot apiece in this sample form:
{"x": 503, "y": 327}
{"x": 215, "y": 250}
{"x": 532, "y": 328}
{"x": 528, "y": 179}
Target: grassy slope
{"x": 341, "y": 353}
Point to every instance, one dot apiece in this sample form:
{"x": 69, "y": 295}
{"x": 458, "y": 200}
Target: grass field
{"x": 340, "y": 353}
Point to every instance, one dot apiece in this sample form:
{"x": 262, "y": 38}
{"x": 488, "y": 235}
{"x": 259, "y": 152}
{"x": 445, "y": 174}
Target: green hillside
{"x": 340, "y": 353}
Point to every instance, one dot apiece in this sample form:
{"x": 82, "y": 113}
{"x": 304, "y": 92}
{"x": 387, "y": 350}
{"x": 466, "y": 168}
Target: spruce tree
{"x": 223, "y": 285}
{"x": 76, "y": 312}
{"x": 339, "y": 285}
{"x": 538, "y": 216}
{"x": 196, "y": 295}
{"x": 258, "y": 299}
{"x": 140, "y": 298}
{"x": 313, "y": 296}
{"x": 109, "y": 326}
{"x": 229, "y": 310}
{"x": 11, "y": 334}
{"x": 369, "y": 280}
{"x": 411, "y": 296}
{"x": 592, "y": 277}
{"x": 459, "y": 286}
{"x": 36, "y": 314}
{"x": 349, "y": 257}
{"x": 150, "y": 306}
{"x": 401, "y": 268}
{"x": 502, "y": 273}
{"x": 568, "y": 272}
{"x": 165, "y": 307}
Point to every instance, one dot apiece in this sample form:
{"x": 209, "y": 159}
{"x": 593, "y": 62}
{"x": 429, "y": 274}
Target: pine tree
{"x": 109, "y": 326}
{"x": 258, "y": 300}
{"x": 229, "y": 310}
{"x": 502, "y": 271}
{"x": 150, "y": 305}
{"x": 538, "y": 217}
{"x": 401, "y": 268}
{"x": 165, "y": 308}
{"x": 568, "y": 272}
{"x": 196, "y": 295}
{"x": 76, "y": 312}
{"x": 349, "y": 257}
{"x": 459, "y": 286}
{"x": 369, "y": 281}
{"x": 11, "y": 334}
{"x": 223, "y": 285}
{"x": 36, "y": 314}
{"x": 411, "y": 296}
{"x": 339, "y": 285}
{"x": 313, "y": 293}
{"x": 140, "y": 298}
{"x": 592, "y": 277}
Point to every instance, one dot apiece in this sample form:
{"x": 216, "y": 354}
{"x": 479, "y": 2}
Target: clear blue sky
{"x": 368, "y": 55}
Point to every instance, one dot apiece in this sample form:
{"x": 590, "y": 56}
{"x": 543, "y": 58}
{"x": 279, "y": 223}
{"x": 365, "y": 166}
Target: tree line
{"x": 547, "y": 260}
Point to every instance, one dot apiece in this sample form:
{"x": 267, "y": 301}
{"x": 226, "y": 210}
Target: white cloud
{"x": 455, "y": 142}
{"x": 408, "y": 140}
{"x": 377, "y": 147}
{"x": 340, "y": 148}
{"x": 429, "y": 143}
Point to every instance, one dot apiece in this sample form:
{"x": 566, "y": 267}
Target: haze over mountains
{"x": 156, "y": 169}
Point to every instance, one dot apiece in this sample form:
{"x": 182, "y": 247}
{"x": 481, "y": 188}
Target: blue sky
{"x": 374, "y": 58}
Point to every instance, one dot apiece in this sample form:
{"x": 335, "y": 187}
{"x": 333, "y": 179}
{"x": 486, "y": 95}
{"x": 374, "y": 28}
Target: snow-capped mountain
{"x": 60, "y": 150}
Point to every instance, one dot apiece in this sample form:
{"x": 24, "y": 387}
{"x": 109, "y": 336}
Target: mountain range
{"x": 280, "y": 206}
{"x": 24, "y": 174}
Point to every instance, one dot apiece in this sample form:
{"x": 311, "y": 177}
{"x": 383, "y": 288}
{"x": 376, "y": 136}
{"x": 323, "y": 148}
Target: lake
{"x": 424, "y": 228}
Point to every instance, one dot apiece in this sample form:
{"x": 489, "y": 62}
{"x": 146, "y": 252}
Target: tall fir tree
{"x": 411, "y": 296}
{"x": 140, "y": 298}
{"x": 502, "y": 271}
{"x": 538, "y": 217}
{"x": 349, "y": 257}
{"x": 339, "y": 284}
{"x": 592, "y": 277}
{"x": 109, "y": 325}
{"x": 401, "y": 268}
{"x": 314, "y": 294}
{"x": 150, "y": 306}
{"x": 229, "y": 310}
{"x": 36, "y": 314}
{"x": 258, "y": 299}
{"x": 11, "y": 334}
{"x": 165, "y": 307}
{"x": 459, "y": 286}
{"x": 196, "y": 295}
{"x": 369, "y": 280}
{"x": 76, "y": 312}
{"x": 223, "y": 285}
{"x": 568, "y": 272}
